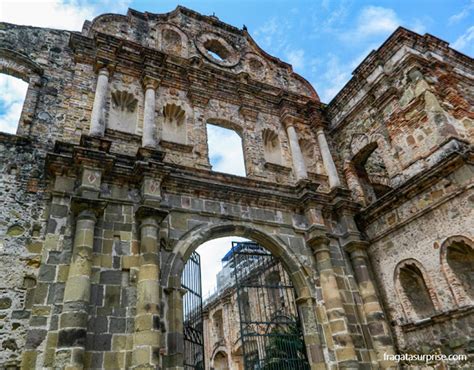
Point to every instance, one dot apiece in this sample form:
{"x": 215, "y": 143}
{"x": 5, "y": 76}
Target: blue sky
{"x": 324, "y": 40}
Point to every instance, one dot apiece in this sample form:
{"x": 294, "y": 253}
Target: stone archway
{"x": 191, "y": 240}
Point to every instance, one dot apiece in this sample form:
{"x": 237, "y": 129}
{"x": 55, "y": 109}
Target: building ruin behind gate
{"x": 108, "y": 191}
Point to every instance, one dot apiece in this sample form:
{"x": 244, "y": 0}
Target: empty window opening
{"x": 460, "y": 257}
{"x": 12, "y": 96}
{"x": 372, "y": 173}
{"x": 225, "y": 150}
{"x": 416, "y": 291}
{"x": 216, "y": 50}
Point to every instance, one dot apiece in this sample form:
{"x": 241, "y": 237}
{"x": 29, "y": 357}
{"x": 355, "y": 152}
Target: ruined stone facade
{"x": 107, "y": 189}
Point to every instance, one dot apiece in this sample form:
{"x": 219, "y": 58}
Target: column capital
{"x": 305, "y": 300}
{"x": 144, "y": 212}
{"x": 104, "y": 67}
{"x": 318, "y": 241}
{"x": 320, "y": 130}
{"x": 357, "y": 248}
{"x": 87, "y": 207}
{"x": 288, "y": 119}
{"x": 171, "y": 290}
{"x": 150, "y": 82}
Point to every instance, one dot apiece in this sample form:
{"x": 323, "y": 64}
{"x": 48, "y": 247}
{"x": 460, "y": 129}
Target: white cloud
{"x": 61, "y": 14}
{"x": 464, "y": 13}
{"x": 335, "y": 73}
{"x": 12, "y": 95}
{"x": 296, "y": 59}
{"x": 335, "y": 77}
{"x": 265, "y": 34}
{"x": 375, "y": 20}
{"x": 465, "y": 42}
{"x": 372, "y": 21}
{"x": 225, "y": 150}
{"x": 418, "y": 26}
{"x": 211, "y": 253}
{"x": 272, "y": 36}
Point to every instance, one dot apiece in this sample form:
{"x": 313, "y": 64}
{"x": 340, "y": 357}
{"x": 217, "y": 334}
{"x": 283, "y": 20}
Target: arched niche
{"x": 220, "y": 361}
{"x": 457, "y": 263}
{"x": 415, "y": 291}
{"x": 172, "y": 40}
{"x": 174, "y": 123}
{"x": 256, "y": 66}
{"x": 271, "y": 147}
{"x": 123, "y": 112}
{"x": 18, "y": 65}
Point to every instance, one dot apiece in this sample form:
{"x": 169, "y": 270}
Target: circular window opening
{"x": 215, "y": 49}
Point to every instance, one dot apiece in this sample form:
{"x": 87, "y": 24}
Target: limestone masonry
{"x": 107, "y": 189}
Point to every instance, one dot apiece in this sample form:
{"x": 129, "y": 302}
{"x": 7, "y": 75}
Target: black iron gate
{"x": 270, "y": 329}
{"x": 192, "y": 312}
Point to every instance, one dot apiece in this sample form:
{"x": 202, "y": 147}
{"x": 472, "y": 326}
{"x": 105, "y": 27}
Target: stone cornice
{"x": 123, "y": 169}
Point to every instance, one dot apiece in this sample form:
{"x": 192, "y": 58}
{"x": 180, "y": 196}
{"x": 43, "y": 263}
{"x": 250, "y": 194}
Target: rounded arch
{"x": 200, "y": 234}
{"x": 458, "y": 290}
{"x": 193, "y": 238}
{"x": 18, "y": 65}
{"x": 220, "y": 359}
{"x": 414, "y": 268}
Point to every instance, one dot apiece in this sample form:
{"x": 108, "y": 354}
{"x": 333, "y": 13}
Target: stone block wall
{"x": 23, "y": 215}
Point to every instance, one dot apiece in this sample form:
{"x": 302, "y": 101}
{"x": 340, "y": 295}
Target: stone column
{"x": 149, "y": 139}
{"x": 344, "y": 347}
{"x": 97, "y": 127}
{"x": 376, "y": 321}
{"x": 296, "y": 154}
{"x": 147, "y": 337}
{"x": 328, "y": 162}
{"x": 311, "y": 336}
{"x": 74, "y": 318}
{"x": 175, "y": 336}
{"x": 353, "y": 183}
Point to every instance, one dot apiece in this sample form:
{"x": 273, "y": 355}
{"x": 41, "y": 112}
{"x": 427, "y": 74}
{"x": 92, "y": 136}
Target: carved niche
{"x": 123, "y": 112}
{"x": 174, "y": 127}
{"x": 272, "y": 147}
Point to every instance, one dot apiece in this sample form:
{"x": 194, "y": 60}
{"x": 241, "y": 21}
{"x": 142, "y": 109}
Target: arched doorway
{"x": 282, "y": 277}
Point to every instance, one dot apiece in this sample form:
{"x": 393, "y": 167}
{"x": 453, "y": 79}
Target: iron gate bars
{"x": 270, "y": 328}
{"x": 192, "y": 314}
